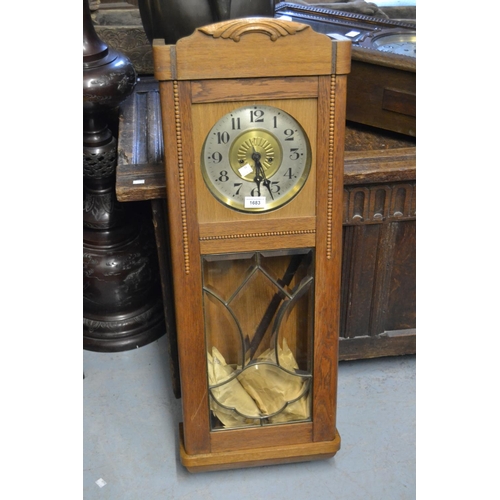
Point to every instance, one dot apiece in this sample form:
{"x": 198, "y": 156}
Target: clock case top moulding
{"x": 218, "y": 68}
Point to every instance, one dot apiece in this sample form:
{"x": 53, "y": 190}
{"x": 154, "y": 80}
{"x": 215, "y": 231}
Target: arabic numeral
{"x": 235, "y": 123}
{"x": 275, "y": 188}
{"x": 256, "y": 116}
{"x": 216, "y": 157}
{"x": 222, "y": 137}
{"x": 237, "y": 185}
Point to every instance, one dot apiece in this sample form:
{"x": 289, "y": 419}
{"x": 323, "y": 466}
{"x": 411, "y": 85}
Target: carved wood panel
{"x": 378, "y": 277}
{"x": 369, "y": 204}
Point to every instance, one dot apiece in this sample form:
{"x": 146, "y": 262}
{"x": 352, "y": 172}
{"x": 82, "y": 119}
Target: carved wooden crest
{"x": 234, "y": 30}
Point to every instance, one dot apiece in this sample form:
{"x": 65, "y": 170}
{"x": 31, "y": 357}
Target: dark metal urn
{"x": 174, "y": 19}
{"x": 122, "y": 306}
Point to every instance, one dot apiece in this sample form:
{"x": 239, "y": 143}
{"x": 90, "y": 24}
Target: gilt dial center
{"x": 255, "y": 147}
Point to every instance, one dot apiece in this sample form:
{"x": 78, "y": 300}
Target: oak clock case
{"x": 254, "y": 170}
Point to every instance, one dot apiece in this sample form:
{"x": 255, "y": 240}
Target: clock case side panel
{"x": 186, "y": 266}
{"x": 330, "y": 170}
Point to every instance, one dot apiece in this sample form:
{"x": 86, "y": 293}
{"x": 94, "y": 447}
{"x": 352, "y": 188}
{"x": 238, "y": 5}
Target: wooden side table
{"x": 378, "y": 304}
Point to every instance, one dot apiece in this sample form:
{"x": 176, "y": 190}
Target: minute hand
{"x": 266, "y": 181}
{"x": 257, "y": 179}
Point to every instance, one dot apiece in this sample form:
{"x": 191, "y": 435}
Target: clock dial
{"x": 256, "y": 158}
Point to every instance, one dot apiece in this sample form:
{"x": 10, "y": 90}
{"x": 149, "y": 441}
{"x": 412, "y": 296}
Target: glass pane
{"x": 297, "y": 315}
{"x": 222, "y": 329}
{"x": 258, "y": 327}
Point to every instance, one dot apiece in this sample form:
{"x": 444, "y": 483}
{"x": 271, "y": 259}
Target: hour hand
{"x": 260, "y": 172}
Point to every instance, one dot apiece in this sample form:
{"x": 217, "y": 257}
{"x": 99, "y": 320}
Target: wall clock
{"x": 382, "y": 83}
{"x": 253, "y": 115}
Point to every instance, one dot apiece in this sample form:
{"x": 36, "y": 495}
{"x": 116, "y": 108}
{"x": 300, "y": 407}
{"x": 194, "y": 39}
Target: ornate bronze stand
{"x": 122, "y": 307}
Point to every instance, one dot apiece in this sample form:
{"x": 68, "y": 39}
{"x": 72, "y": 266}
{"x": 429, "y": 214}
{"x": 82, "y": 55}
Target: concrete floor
{"x": 130, "y": 434}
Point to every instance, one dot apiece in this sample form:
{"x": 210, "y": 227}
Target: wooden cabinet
{"x": 378, "y": 310}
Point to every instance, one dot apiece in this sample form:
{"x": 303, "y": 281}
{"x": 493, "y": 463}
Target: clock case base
{"x": 257, "y": 457}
